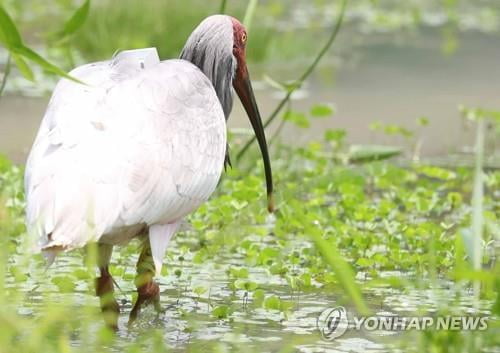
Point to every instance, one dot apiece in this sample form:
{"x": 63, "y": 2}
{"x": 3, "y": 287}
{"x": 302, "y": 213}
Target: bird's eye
{"x": 244, "y": 38}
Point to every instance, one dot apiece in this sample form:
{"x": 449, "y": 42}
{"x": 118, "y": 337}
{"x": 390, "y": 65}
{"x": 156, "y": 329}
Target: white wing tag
{"x": 129, "y": 61}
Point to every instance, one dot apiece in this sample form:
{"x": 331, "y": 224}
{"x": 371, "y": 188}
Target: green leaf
{"x": 322, "y": 111}
{"x": 65, "y": 284}
{"x": 18, "y": 274}
{"x": 199, "y": 290}
{"x": 298, "y": 119}
{"x": 364, "y": 262}
{"x": 9, "y": 35}
{"x": 221, "y": 312}
{"x": 81, "y": 274}
{"x": 343, "y": 272}
{"x": 437, "y": 172}
{"x": 376, "y": 126}
{"x": 11, "y": 39}
{"x": 44, "y": 64}
{"x": 272, "y": 303}
{"x": 246, "y": 285}
{"x": 258, "y": 297}
{"x": 238, "y": 272}
{"x": 369, "y": 153}
{"x": 23, "y": 67}
{"x": 275, "y": 84}
{"x": 76, "y": 21}
{"x": 335, "y": 135}
{"x": 393, "y": 130}
{"x": 423, "y": 121}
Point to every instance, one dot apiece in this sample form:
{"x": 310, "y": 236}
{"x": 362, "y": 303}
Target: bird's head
{"x": 218, "y": 47}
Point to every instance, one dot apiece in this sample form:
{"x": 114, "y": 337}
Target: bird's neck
{"x": 219, "y": 70}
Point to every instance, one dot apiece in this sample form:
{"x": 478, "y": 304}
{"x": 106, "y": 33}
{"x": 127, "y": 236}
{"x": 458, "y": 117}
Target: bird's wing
{"x": 144, "y": 146}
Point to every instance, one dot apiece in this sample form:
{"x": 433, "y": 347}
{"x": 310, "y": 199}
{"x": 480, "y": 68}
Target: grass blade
{"x": 222, "y": 9}
{"x": 9, "y": 35}
{"x": 44, "y": 64}
{"x": 342, "y": 270}
{"x": 12, "y": 40}
{"x": 23, "y": 67}
{"x": 5, "y": 74}
{"x": 77, "y": 20}
{"x": 250, "y": 12}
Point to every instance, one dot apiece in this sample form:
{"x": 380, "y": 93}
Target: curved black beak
{"x": 243, "y": 88}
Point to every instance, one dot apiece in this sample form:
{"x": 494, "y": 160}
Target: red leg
{"x": 147, "y": 289}
{"x": 109, "y": 305}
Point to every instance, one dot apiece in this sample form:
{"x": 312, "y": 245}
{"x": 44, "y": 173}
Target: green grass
{"x": 135, "y": 24}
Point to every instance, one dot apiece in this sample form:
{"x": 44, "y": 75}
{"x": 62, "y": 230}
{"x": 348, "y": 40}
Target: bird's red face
{"x": 243, "y": 88}
{"x": 239, "y": 47}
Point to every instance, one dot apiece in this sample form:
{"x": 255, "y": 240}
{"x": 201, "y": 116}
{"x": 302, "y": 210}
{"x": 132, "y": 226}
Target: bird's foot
{"x": 149, "y": 293}
{"x": 109, "y": 306}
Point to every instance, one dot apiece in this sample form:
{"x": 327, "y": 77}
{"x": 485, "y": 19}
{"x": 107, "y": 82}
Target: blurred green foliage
{"x": 279, "y": 31}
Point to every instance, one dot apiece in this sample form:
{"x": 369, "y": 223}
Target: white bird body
{"x": 136, "y": 148}
{"x": 139, "y": 146}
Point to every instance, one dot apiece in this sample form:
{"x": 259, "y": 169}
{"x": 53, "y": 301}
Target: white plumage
{"x": 140, "y": 145}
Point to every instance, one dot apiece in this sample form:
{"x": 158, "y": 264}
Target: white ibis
{"x": 137, "y": 148}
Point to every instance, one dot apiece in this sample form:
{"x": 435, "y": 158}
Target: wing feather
{"x": 141, "y": 147}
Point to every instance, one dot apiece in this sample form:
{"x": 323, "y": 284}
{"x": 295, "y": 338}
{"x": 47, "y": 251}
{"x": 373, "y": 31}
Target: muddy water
{"x": 382, "y": 81}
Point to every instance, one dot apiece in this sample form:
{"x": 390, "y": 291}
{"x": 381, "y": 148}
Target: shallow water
{"x": 187, "y": 317}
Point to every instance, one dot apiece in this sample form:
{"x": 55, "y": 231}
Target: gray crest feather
{"x": 210, "y": 47}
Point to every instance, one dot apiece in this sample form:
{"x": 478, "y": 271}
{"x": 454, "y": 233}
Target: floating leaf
{"x": 335, "y": 135}
{"x": 437, "y": 173}
{"x": 65, "y": 284}
{"x": 298, "y": 119}
{"x": 248, "y": 286}
{"x": 221, "y": 312}
{"x": 369, "y": 153}
{"x": 423, "y": 121}
{"x": 322, "y": 111}
{"x": 238, "y": 272}
{"x": 272, "y": 303}
{"x": 258, "y": 297}
{"x": 199, "y": 290}
{"x": 81, "y": 274}
{"x": 18, "y": 274}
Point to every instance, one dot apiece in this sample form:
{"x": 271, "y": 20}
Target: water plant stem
{"x": 223, "y": 6}
{"x": 477, "y": 206}
{"x": 250, "y": 12}
{"x": 5, "y": 75}
{"x": 302, "y": 78}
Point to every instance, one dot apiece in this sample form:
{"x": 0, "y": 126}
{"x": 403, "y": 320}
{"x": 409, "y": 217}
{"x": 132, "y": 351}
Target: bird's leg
{"x": 104, "y": 288}
{"x": 147, "y": 289}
